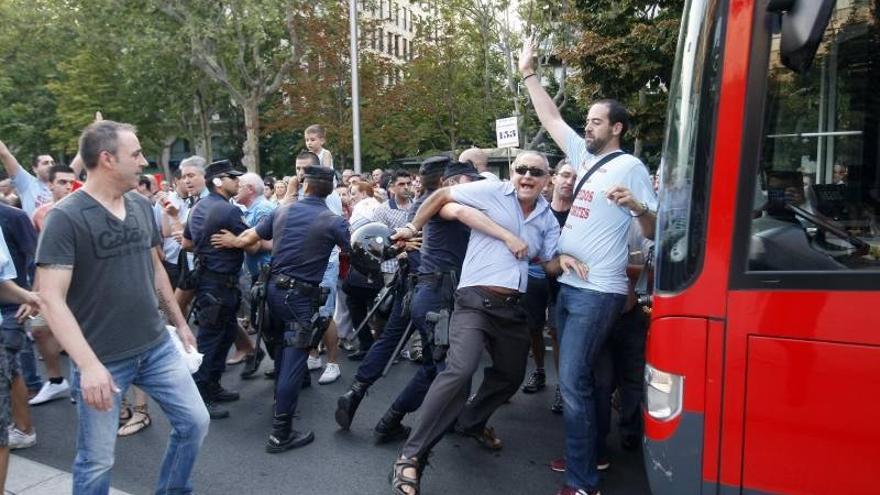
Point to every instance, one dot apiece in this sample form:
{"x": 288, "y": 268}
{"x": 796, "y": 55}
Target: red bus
{"x": 763, "y": 356}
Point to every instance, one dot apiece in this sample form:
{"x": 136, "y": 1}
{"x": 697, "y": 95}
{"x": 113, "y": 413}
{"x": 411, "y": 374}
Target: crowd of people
{"x": 437, "y": 265}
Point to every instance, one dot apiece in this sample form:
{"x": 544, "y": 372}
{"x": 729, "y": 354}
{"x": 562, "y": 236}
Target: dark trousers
{"x": 290, "y": 362}
{"x": 217, "y": 305}
{"x": 173, "y": 272}
{"x": 426, "y": 297}
{"x": 360, "y": 300}
{"x": 480, "y": 319}
{"x": 380, "y": 352}
{"x": 621, "y": 365}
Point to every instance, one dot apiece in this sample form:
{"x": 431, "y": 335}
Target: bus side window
{"x": 819, "y": 156}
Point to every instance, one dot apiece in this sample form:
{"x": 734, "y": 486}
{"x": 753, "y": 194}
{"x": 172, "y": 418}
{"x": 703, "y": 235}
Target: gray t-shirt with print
{"x": 112, "y": 289}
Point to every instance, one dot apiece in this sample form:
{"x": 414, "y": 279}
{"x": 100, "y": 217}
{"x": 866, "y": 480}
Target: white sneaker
{"x": 314, "y": 363}
{"x": 331, "y": 374}
{"x": 50, "y": 391}
{"x": 21, "y": 440}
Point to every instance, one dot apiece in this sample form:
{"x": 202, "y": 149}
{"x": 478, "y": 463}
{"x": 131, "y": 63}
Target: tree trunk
{"x": 637, "y": 147}
{"x": 251, "y": 148}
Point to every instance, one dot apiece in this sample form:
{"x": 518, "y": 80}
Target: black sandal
{"x": 399, "y": 481}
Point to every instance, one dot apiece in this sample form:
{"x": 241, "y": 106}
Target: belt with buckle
{"x": 285, "y": 282}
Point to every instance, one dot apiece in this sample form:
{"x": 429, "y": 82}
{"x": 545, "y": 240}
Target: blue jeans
{"x": 162, "y": 374}
{"x": 585, "y": 318}
{"x": 331, "y": 276}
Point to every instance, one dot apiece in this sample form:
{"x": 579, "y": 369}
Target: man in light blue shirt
{"x": 487, "y": 309}
{"x": 33, "y": 191}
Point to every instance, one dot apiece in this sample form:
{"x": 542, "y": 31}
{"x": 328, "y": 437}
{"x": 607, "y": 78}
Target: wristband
{"x": 411, "y": 227}
{"x": 528, "y": 76}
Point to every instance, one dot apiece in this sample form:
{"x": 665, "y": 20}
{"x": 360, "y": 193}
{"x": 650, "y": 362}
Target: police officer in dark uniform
{"x": 217, "y": 294}
{"x": 444, "y": 244}
{"x": 303, "y": 235}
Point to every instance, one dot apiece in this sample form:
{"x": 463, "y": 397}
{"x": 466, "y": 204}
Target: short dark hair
{"x": 399, "y": 173}
{"x": 145, "y": 181}
{"x": 311, "y": 157}
{"x": 319, "y": 188}
{"x": 98, "y": 137}
{"x": 36, "y": 159}
{"x": 60, "y": 169}
{"x": 616, "y": 113}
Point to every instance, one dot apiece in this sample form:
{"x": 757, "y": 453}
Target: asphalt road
{"x": 233, "y": 459}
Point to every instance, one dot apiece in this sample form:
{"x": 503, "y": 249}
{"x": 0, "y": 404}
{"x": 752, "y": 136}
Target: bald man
{"x": 480, "y": 160}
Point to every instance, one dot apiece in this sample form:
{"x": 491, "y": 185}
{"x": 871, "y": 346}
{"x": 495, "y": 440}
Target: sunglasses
{"x": 533, "y": 171}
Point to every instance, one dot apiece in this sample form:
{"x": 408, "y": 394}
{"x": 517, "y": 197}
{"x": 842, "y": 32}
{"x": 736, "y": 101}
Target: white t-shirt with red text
{"x": 596, "y": 230}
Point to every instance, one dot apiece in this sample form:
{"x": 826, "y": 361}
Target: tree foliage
{"x": 626, "y": 51}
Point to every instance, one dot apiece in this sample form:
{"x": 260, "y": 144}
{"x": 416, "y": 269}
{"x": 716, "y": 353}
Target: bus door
{"x": 802, "y": 342}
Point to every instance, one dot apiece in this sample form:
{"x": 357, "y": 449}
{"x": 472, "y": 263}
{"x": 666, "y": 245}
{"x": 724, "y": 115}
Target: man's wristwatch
{"x": 644, "y": 206}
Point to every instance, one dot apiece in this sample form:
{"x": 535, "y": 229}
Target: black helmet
{"x": 371, "y": 245}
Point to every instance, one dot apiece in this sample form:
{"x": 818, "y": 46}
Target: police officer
{"x": 444, "y": 244}
{"x": 303, "y": 235}
{"x": 217, "y": 294}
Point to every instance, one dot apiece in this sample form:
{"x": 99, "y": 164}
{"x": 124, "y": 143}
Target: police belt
{"x": 285, "y": 282}
{"x": 228, "y": 279}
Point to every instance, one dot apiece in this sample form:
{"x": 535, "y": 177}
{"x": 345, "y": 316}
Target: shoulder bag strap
{"x": 607, "y": 158}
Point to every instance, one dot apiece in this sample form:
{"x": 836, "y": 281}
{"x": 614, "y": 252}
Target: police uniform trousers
{"x": 217, "y": 305}
{"x": 480, "y": 319}
{"x": 426, "y": 298}
{"x": 380, "y": 352}
{"x": 287, "y": 306}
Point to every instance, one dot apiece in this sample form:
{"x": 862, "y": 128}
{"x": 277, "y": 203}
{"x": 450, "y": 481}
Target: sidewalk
{"x": 27, "y": 477}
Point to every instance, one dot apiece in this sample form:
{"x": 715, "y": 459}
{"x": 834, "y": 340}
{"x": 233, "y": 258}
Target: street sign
{"x": 507, "y": 132}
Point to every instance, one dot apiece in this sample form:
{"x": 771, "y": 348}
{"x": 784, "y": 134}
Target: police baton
{"x": 403, "y": 340}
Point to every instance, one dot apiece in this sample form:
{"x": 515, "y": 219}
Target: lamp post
{"x": 355, "y": 90}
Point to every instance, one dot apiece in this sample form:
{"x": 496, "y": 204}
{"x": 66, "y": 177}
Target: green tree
{"x": 246, "y": 47}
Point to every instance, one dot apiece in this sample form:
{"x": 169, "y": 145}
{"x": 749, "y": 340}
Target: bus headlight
{"x": 663, "y": 393}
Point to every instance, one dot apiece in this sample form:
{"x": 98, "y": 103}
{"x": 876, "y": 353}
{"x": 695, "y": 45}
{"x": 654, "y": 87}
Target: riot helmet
{"x": 371, "y": 245}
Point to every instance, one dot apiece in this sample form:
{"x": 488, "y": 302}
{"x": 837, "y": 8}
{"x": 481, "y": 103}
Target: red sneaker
{"x": 558, "y": 465}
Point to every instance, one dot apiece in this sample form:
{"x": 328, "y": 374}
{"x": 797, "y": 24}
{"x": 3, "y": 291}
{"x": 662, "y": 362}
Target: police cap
{"x": 318, "y": 173}
{"x": 461, "y": 168}
{"x": 434, "y": 165}
{"x": 222, "y": 167}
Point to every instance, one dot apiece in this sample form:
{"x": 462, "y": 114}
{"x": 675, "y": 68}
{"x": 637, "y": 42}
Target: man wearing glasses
{"x": 217, "y": 293}
{"x": 519, "y": 227}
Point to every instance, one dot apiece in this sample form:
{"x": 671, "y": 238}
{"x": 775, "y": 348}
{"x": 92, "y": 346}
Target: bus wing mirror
{"x": 803, "y": 24}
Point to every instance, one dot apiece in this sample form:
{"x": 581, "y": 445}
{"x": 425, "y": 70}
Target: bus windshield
{"x": 693, "y": 95}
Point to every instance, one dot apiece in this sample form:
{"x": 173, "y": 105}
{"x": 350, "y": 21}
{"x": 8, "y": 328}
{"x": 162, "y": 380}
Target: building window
{"x": 390, "y": 48}
{"x": 381, "y": 40}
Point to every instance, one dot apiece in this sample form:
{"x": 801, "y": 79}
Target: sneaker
{"x": 558, "y": 465}
{"x": 331, "y": 374}
{"x": 21, "y": 440}
{"x": 50, "y": 391}
{"x": 603, "y": 464}
{"x": 557, "y": 402}
{"x": 537, "y": 380}
{"x": 314, "y": 363}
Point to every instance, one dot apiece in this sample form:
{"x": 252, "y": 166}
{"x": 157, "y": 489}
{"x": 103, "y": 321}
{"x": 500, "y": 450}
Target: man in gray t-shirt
{"x": 102, "y": 284}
